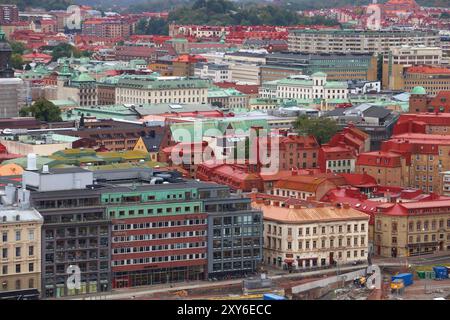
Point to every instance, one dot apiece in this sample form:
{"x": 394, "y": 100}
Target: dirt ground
{"x": 426, "y": 290}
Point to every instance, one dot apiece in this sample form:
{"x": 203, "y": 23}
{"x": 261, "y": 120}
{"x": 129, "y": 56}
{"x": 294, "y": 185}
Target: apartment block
{"x": 358, "y": 41}
{"x": 297, "y": 238}
{"x": 134, "y": 89}
{"x": 315, "y": 87}
{"x": 399, "y": 58}
{"x": 411, "y": 229}
{"x": 432, "y": 78}
{"x": 338, "y": 67}
{"x": 20, "y": 245}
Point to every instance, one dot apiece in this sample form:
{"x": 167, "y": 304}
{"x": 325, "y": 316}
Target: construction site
{"x": 390, "y": 279}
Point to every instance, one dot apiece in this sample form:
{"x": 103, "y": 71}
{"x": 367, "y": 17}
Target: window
{"x": 18, "y": 284}
{"x": 5, "y": 253}
{"x": 31, "y": 267}
{"x": 31, "y": 235}
{"x": 31, "y": 283}
{"x": 4, "y": 269}
{"x": 378, "y": 225}
{"x": 18, "y": 251}
{"x": 17, "y": 268}
{"x": 31, "y": 250}
{"x": 394, "y": 227}
{"x": 5, "y": 236}
{"x": 18, "y": 235}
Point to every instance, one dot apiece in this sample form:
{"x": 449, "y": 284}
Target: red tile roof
{"x": 428, "y": 70}
{"x": 379, "y": 159}
{"x": 359, "y": 180}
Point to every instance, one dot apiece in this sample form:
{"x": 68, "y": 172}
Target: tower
{"x": 6, "y": 70}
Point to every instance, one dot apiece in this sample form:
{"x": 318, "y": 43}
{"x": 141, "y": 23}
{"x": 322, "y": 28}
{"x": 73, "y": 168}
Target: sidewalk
{"x": 414, "y": 259}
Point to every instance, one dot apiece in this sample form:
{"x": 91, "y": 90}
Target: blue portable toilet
{"x": 271, "y": 296}
{"x": 406, "y": 277}
{"x": 440, "y": 272}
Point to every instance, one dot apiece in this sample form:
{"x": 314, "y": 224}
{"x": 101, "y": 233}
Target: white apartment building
{"x": 302, "y": 238}
{"x": 357, "y": 41}
{"x": 245, "y": 73}
{"x": 315, "y": 87}
{"x": 138, "y": 89}
{"x": 212, "y": 71}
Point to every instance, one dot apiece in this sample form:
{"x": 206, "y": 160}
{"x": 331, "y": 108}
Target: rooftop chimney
{"x": 31, "y": 162}
{"x": 45, "y": 169}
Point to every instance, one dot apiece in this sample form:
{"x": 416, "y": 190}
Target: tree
{"x": 64, "y": 50}
{"x": 17, "y": 47}
{"x": 43, "y": 110}
{"x": 17, "y": 61}
{"x": 322, "y": 128}
{"x": 81, "y": 125}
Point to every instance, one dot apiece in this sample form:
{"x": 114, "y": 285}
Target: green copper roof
{"x": 83, "y": 77}
{"x": 336, "y": 85}
{"x": 418, "y": 90}
{"x": 319, "y": 74}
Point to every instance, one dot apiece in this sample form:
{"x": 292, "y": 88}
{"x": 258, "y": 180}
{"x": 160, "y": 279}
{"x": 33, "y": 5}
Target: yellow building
{"x": 414, "y": 228}
{"x": 399, "y": 58}
{"x": 153, "y": 143}
{"x": 301, "y": 238}
{"x": 20, "y": 246}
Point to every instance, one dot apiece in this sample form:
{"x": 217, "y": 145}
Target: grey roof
{"x": 246, "y": 54}
{"x": 68, "y": 170}
{"x": 338, "y": 112}
{"x": 376, "y": 112}
{"x": 362, "y": 110}
{"x": 174, "y": 185}
{"x": 153, "y": 143}
{"x": 25, "y": 215}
